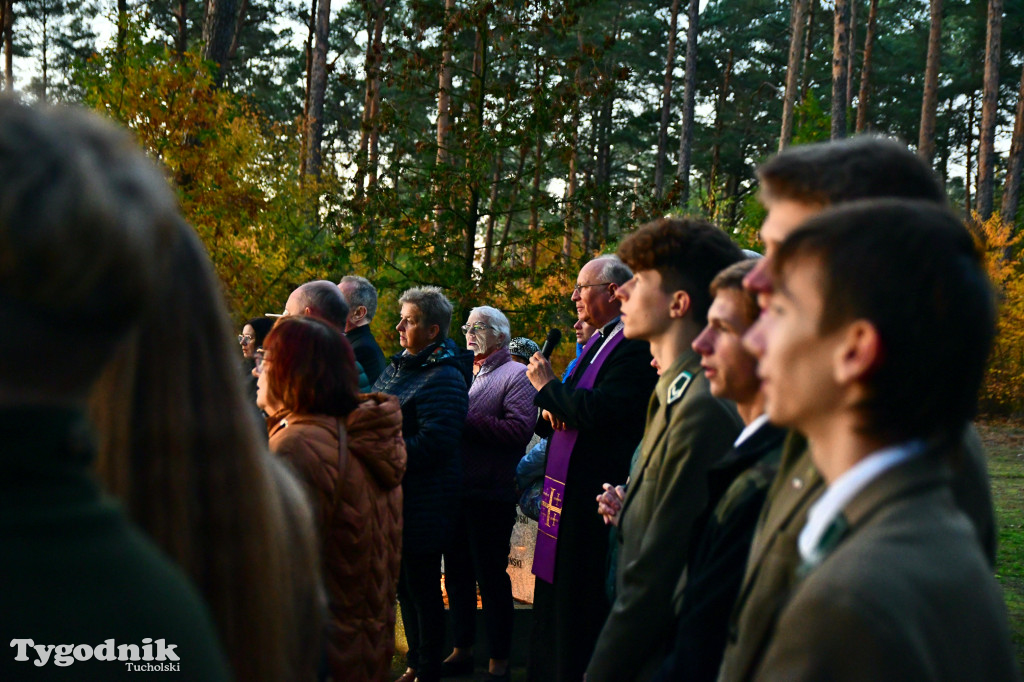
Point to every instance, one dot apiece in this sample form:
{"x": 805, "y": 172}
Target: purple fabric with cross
{"x": 559, "y": 452}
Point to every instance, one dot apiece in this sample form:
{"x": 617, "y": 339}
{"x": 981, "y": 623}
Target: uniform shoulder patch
{"x": 678, "y": 386}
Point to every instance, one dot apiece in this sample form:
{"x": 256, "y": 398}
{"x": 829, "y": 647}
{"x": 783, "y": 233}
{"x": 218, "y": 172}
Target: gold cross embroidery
{"x": 553, "y": 507}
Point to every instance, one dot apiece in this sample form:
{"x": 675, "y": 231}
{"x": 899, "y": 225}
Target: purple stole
{"x": 559, "y": 450}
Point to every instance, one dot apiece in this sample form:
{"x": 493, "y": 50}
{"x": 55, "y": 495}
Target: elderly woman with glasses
{"x": 498, "y": 427}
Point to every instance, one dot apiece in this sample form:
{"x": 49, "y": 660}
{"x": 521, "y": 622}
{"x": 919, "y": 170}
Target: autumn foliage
{"x": 1003, "y": 392}
{"x": 236, "y": 176}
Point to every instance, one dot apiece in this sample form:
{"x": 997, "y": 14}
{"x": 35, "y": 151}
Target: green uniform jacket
{"x": 771, "y": 567}
{"x": 74, "y": 571}
{"x": 905, "y": 595}
{"x": 687, "y": 431}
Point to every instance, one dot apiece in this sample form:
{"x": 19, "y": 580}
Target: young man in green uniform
{"x": 737, "y": 484}
{"x": 797, "y": 184}
{"x": 688, "y": 429}
{"x": 873, "y": 346}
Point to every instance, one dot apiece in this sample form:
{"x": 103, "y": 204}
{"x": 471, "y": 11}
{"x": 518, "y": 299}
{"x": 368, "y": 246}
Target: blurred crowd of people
{"x": 755, "y": 468}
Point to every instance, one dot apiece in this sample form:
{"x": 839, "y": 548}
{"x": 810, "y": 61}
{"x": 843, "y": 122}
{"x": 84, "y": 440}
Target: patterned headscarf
{"x": 523, "y": 347}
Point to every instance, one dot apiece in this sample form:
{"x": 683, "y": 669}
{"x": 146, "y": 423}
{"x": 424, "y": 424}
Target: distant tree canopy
{"x": 492, "y": 147}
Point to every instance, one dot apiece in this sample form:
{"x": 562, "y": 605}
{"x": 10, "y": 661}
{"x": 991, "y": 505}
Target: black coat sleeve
{"x": 625, "y": 378}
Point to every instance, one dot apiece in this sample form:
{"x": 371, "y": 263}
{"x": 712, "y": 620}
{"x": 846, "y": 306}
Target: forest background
{"x": 492, "y": 146}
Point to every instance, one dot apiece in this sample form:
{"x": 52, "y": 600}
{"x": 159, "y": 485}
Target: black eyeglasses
{"x": 576, "y": 289}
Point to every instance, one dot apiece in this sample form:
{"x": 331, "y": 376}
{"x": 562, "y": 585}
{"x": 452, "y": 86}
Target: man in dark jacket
{"x": 431, "y": 379}
{"x": 595, "y": 420}
{"x": 84, "y": 221}
{"x": 362, "y": 306}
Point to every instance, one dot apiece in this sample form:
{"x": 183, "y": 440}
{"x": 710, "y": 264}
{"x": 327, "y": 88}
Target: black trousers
{"x": 568, "y": 615}
{"x": 479, "y": 554}
{"x": 419, "y": 594}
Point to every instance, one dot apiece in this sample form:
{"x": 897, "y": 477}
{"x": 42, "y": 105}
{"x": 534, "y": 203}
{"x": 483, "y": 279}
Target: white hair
{"x": 613, "y": 269}
{"x": 498, "y": 322}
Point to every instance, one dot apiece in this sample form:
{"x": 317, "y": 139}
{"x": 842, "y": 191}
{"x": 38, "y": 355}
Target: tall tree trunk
{"x": 666, "y": 101}
{"x": 840, "y": 58}
{"x": 851, "y": 55}
{"x": 1011, "y": 193}
{"x": 492, "y": 214}
{"x": 44, "y": 61}
{"x": 181, "y": 16}
{"x": 535, "y": 201}
{"x": 972, "y": 106}
{"x": 378, "y": 49}
{"x": 122, "y": 17}
{"x": 989, "y": 110}
{"x": 243, "y": 8}
{"x": 711, "y": 202}
{"x": 218, "y": 30}
{"x": 607, "y": 111}
{"x": 572, "y": 186}
{"x": 797, "y": 20}
{"x": 586, "y": 222}
{"x": 475, "y": 143}
{"x": 507, "y": 228}
{"x": 808, "y": 47}
{"x": 945, "y": 152}
{"x": 444, "y": 88}
{"x": 930, "y": 101}
{"x": 310, "y": 39}
{"x": 366, "y": 157}
{"x": 444, "y": 102}
{"x": 317, "y": 90}
{"x": 7, "y": 28}
{"x": 865, "y": 69}
{"x": 689, "y": 90}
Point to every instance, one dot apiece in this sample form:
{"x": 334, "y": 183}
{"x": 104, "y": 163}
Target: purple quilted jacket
{"x": 499, "y": 424}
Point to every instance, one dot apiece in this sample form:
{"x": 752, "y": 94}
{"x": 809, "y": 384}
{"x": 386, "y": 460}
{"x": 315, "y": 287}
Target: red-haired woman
{"x": 349, "y": 451}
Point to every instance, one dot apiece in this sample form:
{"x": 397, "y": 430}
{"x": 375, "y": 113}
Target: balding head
{"x": 320, "y": 298}
{"x": 594, "y": 294}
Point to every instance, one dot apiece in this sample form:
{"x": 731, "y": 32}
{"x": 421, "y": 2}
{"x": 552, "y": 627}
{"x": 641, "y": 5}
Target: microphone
{"x": 554, "y": 336}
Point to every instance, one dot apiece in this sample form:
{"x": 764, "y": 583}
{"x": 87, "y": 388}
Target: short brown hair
{"x": 732, "y": 278}
{"x": 860, "y": 167}
{"x": 911, "y": 269}
{"x": 686, "y": 252}
{"x": 311, "y": 367}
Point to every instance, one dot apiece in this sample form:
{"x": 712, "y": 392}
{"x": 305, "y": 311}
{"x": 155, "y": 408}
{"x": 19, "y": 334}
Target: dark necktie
{"x": 834, "y": 533}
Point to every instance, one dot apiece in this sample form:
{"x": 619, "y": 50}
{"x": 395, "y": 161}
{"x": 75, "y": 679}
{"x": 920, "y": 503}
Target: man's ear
{"x": 359, "y": 313}
{"x": 680, "y": 304}
{"x": 859, "y": 352}
{"x": 434, "y": 330}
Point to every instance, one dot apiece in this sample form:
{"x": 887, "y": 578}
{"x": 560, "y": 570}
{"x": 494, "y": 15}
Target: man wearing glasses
{"x": 595, "y": 420}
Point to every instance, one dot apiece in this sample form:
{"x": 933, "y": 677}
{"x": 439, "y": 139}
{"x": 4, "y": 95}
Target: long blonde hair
{"x": 179, "y": 445}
